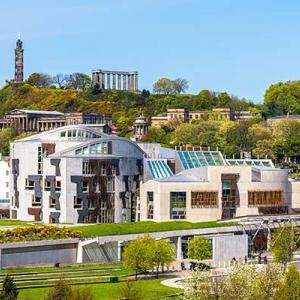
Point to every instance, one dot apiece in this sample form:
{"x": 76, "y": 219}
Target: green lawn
{"x": 151, "y": 289}
{"x": 9, "y": 222}
{"x": 143, "y": 227}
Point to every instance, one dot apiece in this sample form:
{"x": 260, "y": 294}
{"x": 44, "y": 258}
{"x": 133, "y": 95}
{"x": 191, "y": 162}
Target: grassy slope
{"x": 8, "y": 222}
{"x": 143, "y": 227}
{"x": 151, "y": 289}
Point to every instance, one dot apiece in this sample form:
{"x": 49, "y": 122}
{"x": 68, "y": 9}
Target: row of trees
{"x": 75, "y": 81}
{"x": 169, "y": 86}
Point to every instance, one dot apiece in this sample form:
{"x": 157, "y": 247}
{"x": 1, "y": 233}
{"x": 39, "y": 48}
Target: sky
{"x": 240, "y": 47}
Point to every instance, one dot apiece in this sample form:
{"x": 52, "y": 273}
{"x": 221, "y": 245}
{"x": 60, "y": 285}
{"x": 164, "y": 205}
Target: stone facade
{"x": 33, "y": 121}
{"x": 116, "y": 80}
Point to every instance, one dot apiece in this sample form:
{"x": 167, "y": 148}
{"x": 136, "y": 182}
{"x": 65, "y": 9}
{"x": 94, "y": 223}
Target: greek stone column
{"x": 136, "y": 82}
{"x": 129, "y": 82}
{"x": 124, "y": 82}
{"x": 100, "y": 79}
{"x": 108, "y": 80}
{"x": 114, "y": 81}
{"x": 119, "y": 81}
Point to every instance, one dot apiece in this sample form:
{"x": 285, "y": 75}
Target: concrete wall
{"x": 39, "y": 253}
{"x": 225, "y": 248}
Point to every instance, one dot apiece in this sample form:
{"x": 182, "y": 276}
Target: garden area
{"x": 37, "y": 282}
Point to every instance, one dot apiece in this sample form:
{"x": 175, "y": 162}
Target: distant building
{"x": 185, "y": 116}
{"x": 4, "y": 187}
{"x": 33, "y": 121}
{"x": 116, "y": 80}
{"x": 19, "y": 63}
{"x": 140, "y": 128}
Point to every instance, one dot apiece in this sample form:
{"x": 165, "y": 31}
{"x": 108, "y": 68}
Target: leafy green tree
{"x": 82, "y": 294}
{"x": 9, "y": 289}
{"x": 156, "y": 135}
{"x": 164, "y": 86}
{"x": 203, "y": 101}
{"x": 199, "y": 248}
{"x": 185, "y": 134}
{"x": 60, "y": 291}
{"x": 290, "y": 287}
{"x": 39, "y": 80}
{"x": 263, "y": 149}
{"x": 162, "y": 254}
{"x": 138, "y": 254}
{"x": 223, "y": 100}
{"x": 78, "y": 81}
{"x": 283, "y": 245}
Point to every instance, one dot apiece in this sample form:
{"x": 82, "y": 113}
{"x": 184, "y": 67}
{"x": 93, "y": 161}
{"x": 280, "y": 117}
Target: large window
{"x": 150, "y": 205}
{"x": 204, "y": 199}
{"x": 29, "y": 184}
{"x": 36, "y": 201}
{"x": 178, "y": 205}
{"x": 110, "y": 183}
{"x": 265, "y": 198}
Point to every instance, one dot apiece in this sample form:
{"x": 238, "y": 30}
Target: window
{"x": 29, "y": 184}
{"x": 47, "y": 185}
{"x": 58, "y": 185}
{"x": 84, "y": 186}
{"x": 7, "y": 184}
{"x": 77, "y": 202}
{"x": 36, "y": 201}
{"x": 265, "y": 198}
{"x": 87, "y": 168}
{"x": 178, "y": 205}
{"x": 150, "y": 205}
{"x": 6, "y": 172}
{"x": 102, "y": 169}
{"x": 110, "y": 184}
{"x": 40, "y": 161}
{"x": 204, "y": 199}
{"x": 63, "y": 134}
{"x": 52, "y": 202}
{"x": 7, "y": 195}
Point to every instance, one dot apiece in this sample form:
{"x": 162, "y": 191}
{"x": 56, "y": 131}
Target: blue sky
{"x": 224, "y": 45}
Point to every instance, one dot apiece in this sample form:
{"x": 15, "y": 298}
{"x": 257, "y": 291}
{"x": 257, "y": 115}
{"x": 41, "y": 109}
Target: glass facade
{"x": 159, "y": 168}
{"x": 97, "y": 148}
{"x": 267, "y": 163}
{"x": 150, "y": 205}
{"x": 177, "y": 205}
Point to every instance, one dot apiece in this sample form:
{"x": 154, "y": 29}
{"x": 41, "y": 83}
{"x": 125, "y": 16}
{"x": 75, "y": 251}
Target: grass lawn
{"x": 151, "y": 289}
{"x": 143, "y": 227}
{"x": 8, "y": 222}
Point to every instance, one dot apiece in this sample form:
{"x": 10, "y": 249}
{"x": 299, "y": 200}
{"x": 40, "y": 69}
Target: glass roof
{"x": 96, "y": 148}
{"x": 265, "y": 163}
{"x": 159, "y": 168}
{"x": 195, "y": 159}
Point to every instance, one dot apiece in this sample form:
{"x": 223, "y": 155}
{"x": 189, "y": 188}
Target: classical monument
{"x": 140, "y": 128}
{"x": 115, "y": 80}
{"x": 33, "y": 121}
{"x": 19, "y": 63}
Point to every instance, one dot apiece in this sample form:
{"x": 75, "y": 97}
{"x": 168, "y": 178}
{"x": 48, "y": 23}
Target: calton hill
{"x": 76, "y": 93}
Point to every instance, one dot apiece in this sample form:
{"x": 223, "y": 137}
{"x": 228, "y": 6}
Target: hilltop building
{"x": 116, "y": 80}
{"x": 185, "y": 116}
{"x": 140, "y": 128}
{"x": 33, "y": 121}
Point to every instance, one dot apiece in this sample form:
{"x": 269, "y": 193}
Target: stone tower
{"x": 19, "y": 63}
{"x": 140, "y": 128}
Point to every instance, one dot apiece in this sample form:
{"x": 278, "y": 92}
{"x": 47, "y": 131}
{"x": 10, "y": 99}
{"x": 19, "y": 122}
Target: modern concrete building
{"x": 74, "y": 174}
{"x": 203, "y": 186}
{"x": 4, "y": 187}
{"x": 33, "y": 121}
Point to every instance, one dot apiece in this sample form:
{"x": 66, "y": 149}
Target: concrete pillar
{"x": 114, "y": 81}
{"x": 124, "y": 82}
{"x": 119, "y": 82}
{"x": 119, "y": 251}
{"x": 79, "y": 258}
{"x": 179, "y": 248}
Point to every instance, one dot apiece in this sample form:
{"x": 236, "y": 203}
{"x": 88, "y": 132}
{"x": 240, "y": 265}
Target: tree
{"x": 162, "y": 254}
{"x": 130, "y": 291}
{"x": 78, "y": 81}
{"x": 82, "y": 294}
{"x": 60, "y": 291}
{"x": 164, "y": 86}
{"x": 283, "y": 245}
{"x": 155, "y": 135}
{"x": 199, "y": 248}
{"x": 60, "y": 80}
{"x": 180, "y": 85}
{"x": 9, "y": 291}
{"x": 138, "y": 254}
{"x": 39, "y": 80}
{"x": 204, "y": 100}
{"x": 223, "y": 100}
{"x": 290, "y": 287}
